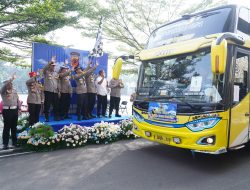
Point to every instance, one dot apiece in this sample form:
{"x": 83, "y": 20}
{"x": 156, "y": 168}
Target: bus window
{"x": 240, "y": 77}
{"x": 243, "y": 22}
{"x": 193, "y": 26}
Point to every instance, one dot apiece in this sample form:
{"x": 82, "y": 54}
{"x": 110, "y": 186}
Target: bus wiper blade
{"x": 183, "y": 101}
{"x": 203, "y": 15}
{"x": 208, "y": 14}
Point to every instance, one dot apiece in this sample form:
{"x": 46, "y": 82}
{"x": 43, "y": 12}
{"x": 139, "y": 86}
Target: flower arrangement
{"x": 23, "y": 135}
{"x": 22, "y": 124}
{"x": 22, "y": 138}
{"x": 42, "y": 144}
{"x": 41, "y": 130}
{"x": 126, "y": 129}
{"x": 41, "y": 137}
{"x": 103, "y": 132}
{"x": 73, "y": 135}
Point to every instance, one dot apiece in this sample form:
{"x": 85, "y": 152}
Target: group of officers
{"x": 57, "y": 92}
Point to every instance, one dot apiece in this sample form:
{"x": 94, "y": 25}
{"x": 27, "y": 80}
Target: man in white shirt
{"x": 102, "y": 91}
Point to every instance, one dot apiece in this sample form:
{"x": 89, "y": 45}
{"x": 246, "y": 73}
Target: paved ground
{"x": 128, "y": 165}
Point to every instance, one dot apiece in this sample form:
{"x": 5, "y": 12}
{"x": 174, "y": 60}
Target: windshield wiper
{"x": 183, "y": 101}
{"x": 161, "y": 97}
{"x": 203, "y": 15}
{"x": 209, "y": 14}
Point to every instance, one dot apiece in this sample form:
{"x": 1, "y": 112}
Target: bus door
{"x": 240, "y": 109}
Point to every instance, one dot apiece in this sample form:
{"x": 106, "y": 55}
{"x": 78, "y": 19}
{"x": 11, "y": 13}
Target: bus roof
{"x": 199, "y": 13}
{"x": 221, "y": 19}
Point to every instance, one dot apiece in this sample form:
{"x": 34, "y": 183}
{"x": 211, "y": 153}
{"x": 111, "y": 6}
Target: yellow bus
{"x": 193, "y": 83}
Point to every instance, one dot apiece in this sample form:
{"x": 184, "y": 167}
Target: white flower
{"x": 76, "y": 137}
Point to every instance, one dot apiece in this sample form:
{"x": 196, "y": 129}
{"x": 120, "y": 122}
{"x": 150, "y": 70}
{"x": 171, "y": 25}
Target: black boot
{"x": 46, "y": 118}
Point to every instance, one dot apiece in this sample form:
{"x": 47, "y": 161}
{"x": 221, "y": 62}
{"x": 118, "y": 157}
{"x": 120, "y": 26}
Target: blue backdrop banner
{"x": 42, "y": 54}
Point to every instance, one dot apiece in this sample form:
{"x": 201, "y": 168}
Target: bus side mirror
{"x": 219, "y": 56}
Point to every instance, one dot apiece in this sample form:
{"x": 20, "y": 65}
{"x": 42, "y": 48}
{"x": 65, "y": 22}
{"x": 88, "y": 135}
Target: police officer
{"x": 10, "y": 112}
{"x": 35, "y": 98}
{"x": 91, "y": 89}
{"x": 65, "y": 91}
{"x": 51, "y": 90}
{"x": 115, "y": 96}
{"x": 81, "y": 92}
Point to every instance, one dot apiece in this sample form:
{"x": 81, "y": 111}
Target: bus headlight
{"x": 138, "y": 117}
{"x": 201, "y": 124}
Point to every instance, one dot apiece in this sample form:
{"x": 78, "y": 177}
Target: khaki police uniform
{"x": 81, "y": 93}
{"x": 65, "y": 92}
{"x": 51, "y": 90}
{"x": 115, "y": 96}
{"x": 10, "y": 113}
{"x": 91, "y": 89}
{"x": 34, "y": 100}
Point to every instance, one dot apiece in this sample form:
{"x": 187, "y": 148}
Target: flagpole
{"x": 97, "y": 50}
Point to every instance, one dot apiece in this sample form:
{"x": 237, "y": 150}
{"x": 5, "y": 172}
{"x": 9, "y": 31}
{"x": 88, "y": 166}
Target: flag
{"x": 98, "y": 48}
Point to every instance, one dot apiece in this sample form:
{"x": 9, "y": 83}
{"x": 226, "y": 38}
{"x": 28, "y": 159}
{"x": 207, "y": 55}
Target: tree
{"x": 25, "y": 21}
{"x": 131, "y": 22}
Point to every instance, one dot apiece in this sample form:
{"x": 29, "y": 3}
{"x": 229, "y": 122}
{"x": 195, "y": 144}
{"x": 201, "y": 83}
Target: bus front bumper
{"x": 183, "y": 138}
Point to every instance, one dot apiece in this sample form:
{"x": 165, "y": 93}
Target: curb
{"x": 13, "y": 152}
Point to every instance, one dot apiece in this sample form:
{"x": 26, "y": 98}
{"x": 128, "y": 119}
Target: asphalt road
{"x": 135, "y": 164}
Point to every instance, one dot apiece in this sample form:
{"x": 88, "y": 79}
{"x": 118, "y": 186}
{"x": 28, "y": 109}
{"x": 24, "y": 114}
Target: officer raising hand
{"x": 10, "y": 111}
{"x": 51, "y": 90}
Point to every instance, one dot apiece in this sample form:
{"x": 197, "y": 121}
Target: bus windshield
{"x": 185, "y": 77}
{"x": 193, "y": 26}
